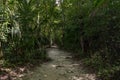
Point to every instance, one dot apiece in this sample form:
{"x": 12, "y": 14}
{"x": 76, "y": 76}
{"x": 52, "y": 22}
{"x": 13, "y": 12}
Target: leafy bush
{"x": 25, "y": 39}
{"x": 93, "y": 27}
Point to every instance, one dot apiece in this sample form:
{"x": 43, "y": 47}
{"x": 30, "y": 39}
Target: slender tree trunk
{"x": 82, "y": 44}
{"x": 1, "y": 53}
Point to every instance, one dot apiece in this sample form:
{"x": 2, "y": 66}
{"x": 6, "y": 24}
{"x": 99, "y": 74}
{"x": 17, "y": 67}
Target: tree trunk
{"x": 1, "y": 53}
{"x": 82, "y": 44}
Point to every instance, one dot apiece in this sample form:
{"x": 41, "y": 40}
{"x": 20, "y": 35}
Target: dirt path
{"x": 62, "y": 67}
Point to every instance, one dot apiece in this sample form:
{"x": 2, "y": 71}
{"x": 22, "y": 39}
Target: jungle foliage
{"x": 88, "y": 28}
{"x": 23, "y": 26}
{"x": 92, "y": 30}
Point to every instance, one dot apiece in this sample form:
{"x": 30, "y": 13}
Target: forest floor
{"x": 61, "y": 67}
